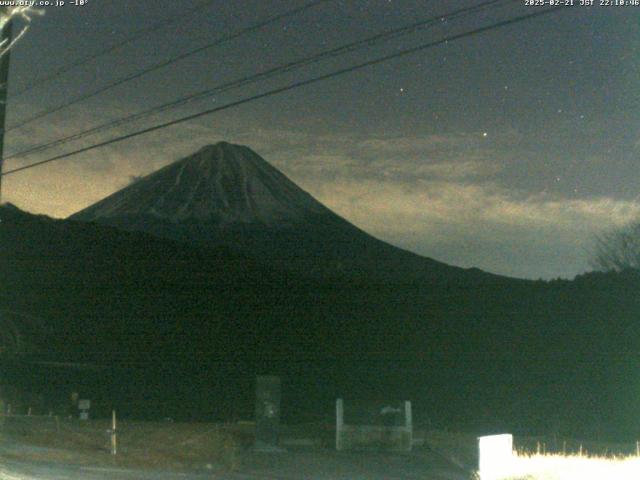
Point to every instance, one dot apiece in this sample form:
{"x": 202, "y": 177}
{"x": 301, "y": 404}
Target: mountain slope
{"x": 228, "y": 195}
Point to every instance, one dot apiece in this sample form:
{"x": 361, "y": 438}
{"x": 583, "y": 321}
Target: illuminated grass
{"x": 572, "y": 467}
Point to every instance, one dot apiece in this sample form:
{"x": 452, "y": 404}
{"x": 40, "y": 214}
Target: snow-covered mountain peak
{"x": 222, "y": 183}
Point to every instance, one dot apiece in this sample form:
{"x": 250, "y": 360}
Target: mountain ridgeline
{"x": 183, "y": 286}
{"x": 228, "y": 195}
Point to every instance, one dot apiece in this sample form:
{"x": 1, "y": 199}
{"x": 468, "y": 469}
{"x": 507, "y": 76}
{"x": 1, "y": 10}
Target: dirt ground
{"x": 224, "y": 451}
{"x": 140, "y": 445}
{"x": 220, "y": 451}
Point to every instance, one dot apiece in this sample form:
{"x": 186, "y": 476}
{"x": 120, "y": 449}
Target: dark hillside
{"x": 182, "y": 331}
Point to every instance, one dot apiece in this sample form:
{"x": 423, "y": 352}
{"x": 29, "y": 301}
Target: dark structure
{"x": 267, "y": 412}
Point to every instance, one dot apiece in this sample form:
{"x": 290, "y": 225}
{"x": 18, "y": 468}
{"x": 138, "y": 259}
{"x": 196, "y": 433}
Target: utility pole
{"x": 7, "y": 35}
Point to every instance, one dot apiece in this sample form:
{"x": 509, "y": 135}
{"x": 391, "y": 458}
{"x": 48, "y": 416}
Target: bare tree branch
{"x": 618, "y": 249}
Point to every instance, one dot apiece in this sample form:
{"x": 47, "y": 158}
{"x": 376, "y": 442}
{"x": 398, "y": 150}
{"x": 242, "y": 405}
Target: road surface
{"x": 299, "y": 464}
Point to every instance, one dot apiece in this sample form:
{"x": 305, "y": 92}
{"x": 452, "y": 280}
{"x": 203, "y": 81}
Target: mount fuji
{"x": 227, "y": 194}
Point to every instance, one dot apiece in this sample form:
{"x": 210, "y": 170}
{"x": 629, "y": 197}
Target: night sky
{"x": 507, "y": 151}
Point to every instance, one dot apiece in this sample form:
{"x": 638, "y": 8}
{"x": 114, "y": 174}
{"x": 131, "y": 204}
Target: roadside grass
{"x": 143, "y": 445}
{"x": 573, "y": 467}
{"x": 546, "y": 458}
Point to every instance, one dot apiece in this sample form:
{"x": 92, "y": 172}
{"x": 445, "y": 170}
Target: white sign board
{"x": 84, "y": 404}
{"x": 496, "y": 456}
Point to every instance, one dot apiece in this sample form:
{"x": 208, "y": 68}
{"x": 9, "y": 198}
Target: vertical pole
{"x": 114, "y": 439}
{"x": 7, "y": 35}
{"x": 339, "y": 423}
{"x": 408, "y": 425}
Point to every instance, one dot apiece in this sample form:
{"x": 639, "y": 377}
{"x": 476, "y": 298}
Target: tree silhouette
{"x": 618, "y": 249}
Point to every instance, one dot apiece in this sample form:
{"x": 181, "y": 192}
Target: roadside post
{"x": 114, "y": 435}
{"x": 267, "y": 413}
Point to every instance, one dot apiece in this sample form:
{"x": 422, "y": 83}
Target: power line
{"x": 141, "y": 33}
{"x": 165, "y": 63}
{"x": 291, "y": 66}
{"x": 294, "y": 85}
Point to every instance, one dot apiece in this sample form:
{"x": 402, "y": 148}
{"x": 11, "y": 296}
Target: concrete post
{"x": 408, "y": 424}
{"x": 267, "y": 412}
{"x": 339, "y": 424}
{"x": 114, "y": 438}
{"x": 408, "y": 420}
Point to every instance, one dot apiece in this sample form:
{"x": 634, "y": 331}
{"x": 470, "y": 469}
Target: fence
{"x": 391, "y": 428}
{"x": 26, "y": 425}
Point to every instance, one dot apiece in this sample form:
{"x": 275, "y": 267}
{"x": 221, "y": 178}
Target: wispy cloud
{"x": 455, "y": 208}
{"x": 440, "y": 195}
